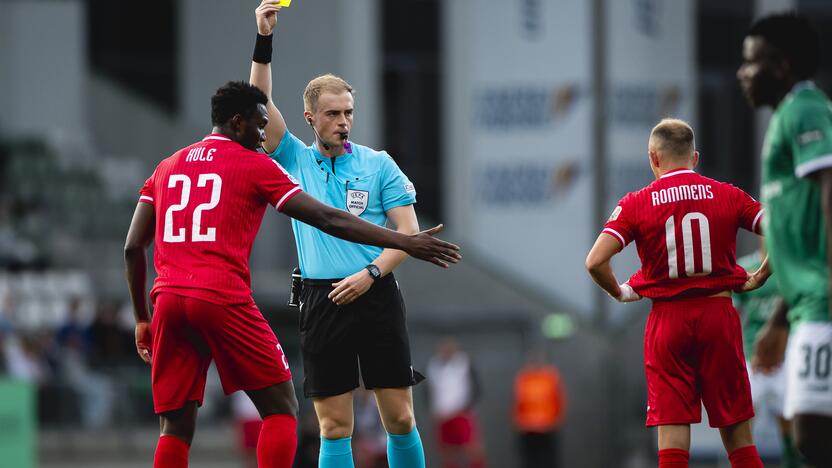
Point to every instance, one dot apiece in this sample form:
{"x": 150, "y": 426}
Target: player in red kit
{"x": 685, "y": 228}
{"x": 203, "y": 207}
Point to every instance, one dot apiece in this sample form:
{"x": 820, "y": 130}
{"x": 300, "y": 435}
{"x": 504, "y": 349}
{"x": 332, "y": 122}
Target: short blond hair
{"x": 328, "y": 83}
{"x": 674, "y": 137}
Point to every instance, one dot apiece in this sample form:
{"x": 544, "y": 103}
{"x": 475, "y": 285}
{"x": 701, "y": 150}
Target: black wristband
{"x": 263, "y": 49}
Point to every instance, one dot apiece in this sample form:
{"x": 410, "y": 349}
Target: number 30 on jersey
{"x": 209, "y": 234}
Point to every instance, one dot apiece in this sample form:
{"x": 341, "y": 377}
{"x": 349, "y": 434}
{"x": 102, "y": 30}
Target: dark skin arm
{"x": 825, "y": 178}
{"x": 770, "y": 344}
{"x": 301, "y": 207}
{"x": 344, "y": 225}
{"x": 139, "y": 237}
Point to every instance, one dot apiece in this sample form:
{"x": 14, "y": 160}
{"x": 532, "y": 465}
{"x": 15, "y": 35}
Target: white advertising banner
{"x": 518, "y": 118}
{"x": 517, "y": 179}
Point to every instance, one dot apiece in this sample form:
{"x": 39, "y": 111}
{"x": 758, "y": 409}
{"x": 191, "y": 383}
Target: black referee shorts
{"x": 370, "y": 333}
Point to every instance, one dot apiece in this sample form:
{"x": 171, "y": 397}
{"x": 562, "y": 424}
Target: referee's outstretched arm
{"x": 345, "y": 225}
{"x": 261, "y": 71}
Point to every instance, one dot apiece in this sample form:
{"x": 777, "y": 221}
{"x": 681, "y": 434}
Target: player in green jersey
{"x": 780, "y": 56}
{"x": 767, "y": 386}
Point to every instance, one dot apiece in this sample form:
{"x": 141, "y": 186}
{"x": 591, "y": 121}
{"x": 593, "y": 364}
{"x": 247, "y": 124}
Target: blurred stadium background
{"x": 521, "y": 122}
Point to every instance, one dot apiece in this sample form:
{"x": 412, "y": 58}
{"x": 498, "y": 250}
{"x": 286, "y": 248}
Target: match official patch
{"x": 357, "y": 201}
{"x": 408, "y": 187}
{"x": 615, "y": 213}
{"x": 810, "y": 137}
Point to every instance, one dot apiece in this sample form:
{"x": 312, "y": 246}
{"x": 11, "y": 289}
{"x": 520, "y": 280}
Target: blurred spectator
{"x": 15, "y": 250}
{"x": 453, "y": 389}
{"x": 72, "y": 334}
{"x": 24, "y": 359}
{"x": 538, "y": 411}
{"x": 110, "y": 344}
{"x": 369, "y": 437}
{"x": 48, "y": 354}
{"x": 4, "y": 366}
{"x": 95, "y": 391}
{"x": 6, "y": 306}
{"x": 8, "y": 311}
{"x": 20, "y": 357}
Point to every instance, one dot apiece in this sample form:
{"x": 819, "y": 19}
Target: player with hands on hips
{"x": 626, "y": 294}
{"x": 685, "y": 228}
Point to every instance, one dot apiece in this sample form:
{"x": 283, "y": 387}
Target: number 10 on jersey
{"x": 687, "y": 245}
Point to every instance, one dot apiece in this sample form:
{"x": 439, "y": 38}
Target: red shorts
{"x": 188, "y": 333}
{"x": 458, "y": 430}
{"x": 692, "y": 353}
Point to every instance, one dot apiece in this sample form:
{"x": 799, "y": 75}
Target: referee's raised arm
{"x": 261, "y": 71}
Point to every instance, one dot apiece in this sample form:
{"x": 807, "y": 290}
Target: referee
{"x": 351, "y": 310}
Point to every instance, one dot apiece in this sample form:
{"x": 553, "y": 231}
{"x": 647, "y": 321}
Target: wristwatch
{"x": 375, "y": 272}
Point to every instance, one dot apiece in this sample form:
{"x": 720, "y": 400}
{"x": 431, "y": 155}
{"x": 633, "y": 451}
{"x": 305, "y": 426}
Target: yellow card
{"x": 285, "y": 3}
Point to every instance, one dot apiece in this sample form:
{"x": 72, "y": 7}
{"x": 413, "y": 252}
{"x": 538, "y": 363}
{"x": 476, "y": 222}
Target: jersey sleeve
{"x": 396, "y": 188}
{"x": 750, "y": 211}
{"x": 147, "y": 192}
{"x": 287, "y": 151}
{"x": 811, "y": 139}
{"x": 622, "y": 222}
{"x": 274, "y": 184}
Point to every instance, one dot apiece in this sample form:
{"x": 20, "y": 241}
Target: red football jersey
{"x": 210, "y": 199}
{"x": 685, "y": 228}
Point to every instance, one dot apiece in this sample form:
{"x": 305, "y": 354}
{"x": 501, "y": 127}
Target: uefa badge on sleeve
{"x": 357, "y": 201}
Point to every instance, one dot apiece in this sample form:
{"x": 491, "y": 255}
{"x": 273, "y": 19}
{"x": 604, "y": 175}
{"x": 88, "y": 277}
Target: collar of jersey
{"x": 338, "y": 159}
{"x": 798, "y": 87}
{"x": 801, "y": 85}
{"x": 216, "y": 136}
{"x": 674, "y": 172}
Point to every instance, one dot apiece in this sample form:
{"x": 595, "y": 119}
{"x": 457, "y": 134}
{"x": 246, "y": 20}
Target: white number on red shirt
{"x": 210, "y": 234}
{"x": 216, "y": 186}
{"x": 687, "y": 245}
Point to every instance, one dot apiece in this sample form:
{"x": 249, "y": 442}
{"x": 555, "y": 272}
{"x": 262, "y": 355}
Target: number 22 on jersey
{"x": 687, "y": 245}
{"x": 197, "y": 234}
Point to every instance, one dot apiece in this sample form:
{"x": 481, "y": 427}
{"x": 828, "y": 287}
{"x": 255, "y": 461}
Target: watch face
{"x": 374, "y": 271}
